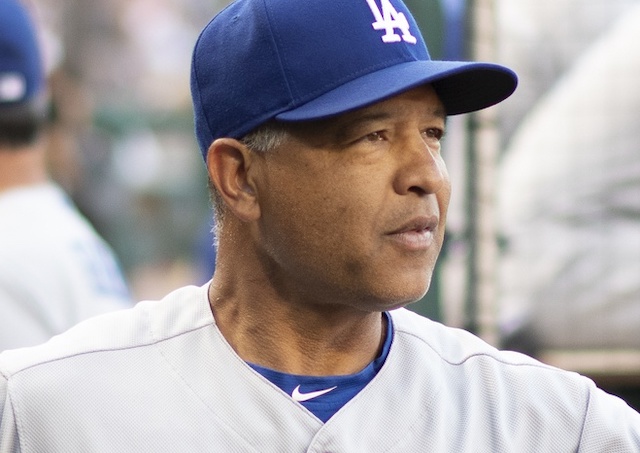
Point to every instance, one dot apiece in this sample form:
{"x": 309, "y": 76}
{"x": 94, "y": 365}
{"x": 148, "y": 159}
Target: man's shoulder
{"x": 453, "y": 345}
{"x": 145, "y": 324}
{"x": 456, "y": 358}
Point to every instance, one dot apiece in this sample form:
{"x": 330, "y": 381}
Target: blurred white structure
{"x": 569, "y": 190}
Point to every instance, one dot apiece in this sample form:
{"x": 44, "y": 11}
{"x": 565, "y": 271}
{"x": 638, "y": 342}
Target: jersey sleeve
{"x": 9, "y": 442}
{"x": 610, "y": 425}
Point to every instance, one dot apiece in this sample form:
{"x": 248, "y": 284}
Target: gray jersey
{"x": 160, "y": 377}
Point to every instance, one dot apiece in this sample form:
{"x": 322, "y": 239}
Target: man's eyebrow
{"x": 440, "y": 112}
{"x": 373, "y": 115}
{"x": 351, "y": 122}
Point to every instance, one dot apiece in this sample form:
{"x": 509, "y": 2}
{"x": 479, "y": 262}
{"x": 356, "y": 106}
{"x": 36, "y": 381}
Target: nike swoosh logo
{"x": 302, "y": 397}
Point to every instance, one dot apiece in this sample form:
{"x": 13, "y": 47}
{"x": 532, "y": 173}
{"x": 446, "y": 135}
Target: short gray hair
{"x": 262, "y": 140}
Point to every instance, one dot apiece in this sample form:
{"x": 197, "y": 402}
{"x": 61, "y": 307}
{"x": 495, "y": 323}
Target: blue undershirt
{"x": 342, "y": 388}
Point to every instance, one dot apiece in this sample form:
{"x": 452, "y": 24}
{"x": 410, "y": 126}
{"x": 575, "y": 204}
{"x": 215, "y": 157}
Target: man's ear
{"x": 229, "y": 165}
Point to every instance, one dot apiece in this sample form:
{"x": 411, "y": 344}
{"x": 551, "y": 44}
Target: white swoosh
{"x": 301, "y": 397}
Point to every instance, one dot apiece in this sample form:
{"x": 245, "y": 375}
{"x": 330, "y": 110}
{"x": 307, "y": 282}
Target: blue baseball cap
{"x": 21, "y": 71}
{"x": 300, "y": 60}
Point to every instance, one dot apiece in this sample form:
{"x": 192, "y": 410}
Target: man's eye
{"x": 434, "y": 133}
{"x": 375, "y": 136}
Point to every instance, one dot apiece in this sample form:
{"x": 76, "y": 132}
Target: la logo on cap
{"x": 13, "y": 87}
{"x": 389, "y": 19}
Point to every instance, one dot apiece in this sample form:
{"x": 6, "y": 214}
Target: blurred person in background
{"x": 569, "y": 205}
{"x": 55, "y": 269}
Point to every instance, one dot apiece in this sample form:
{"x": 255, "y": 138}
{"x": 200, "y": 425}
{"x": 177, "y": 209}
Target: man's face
{"x": 352, "y": 209}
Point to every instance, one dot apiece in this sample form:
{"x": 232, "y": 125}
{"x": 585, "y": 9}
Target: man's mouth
{"x": 416, "y": 234}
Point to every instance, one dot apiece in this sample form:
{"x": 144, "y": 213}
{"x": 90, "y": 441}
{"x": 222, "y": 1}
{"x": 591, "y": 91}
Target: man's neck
{"x": 22, "y": 167}
{"x": 294, "y": 338}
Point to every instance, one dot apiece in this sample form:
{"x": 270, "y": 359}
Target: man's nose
{"x": 421, "y": 169}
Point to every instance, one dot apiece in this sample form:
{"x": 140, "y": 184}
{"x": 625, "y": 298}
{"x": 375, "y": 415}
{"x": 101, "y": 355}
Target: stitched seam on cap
{"x": 276, "y": 44}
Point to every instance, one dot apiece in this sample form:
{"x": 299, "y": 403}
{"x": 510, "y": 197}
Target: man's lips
{"x": 418, "y": 224}
{"x": 416, "y": 234}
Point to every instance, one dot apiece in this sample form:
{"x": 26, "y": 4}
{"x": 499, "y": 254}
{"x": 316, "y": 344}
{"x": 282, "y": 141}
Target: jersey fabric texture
{"x": 55, "y": 270}
{"x": 325, "y": 395}
{"x": 160, "y": 377}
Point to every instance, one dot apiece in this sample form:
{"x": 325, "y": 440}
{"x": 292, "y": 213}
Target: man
{"x": 54, "y": 268}
{"x": 320, "y": 123}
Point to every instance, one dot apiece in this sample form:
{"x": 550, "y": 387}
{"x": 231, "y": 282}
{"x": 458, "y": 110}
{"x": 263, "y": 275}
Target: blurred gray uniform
{"x": 169, "y": 382}
{"x": 55, "y": 270}
{"x": 569, "y": 203}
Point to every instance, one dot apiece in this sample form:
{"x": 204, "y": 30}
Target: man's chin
{"x": 402, "y": 300}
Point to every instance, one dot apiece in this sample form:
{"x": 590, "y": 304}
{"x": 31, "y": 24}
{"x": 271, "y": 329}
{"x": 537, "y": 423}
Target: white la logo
{"x": 390, "y": 19}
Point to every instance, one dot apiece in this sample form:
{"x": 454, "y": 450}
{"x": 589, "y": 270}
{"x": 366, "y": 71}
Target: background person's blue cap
{"x": 297, "y": 60}
{"x": 21, "y": 71}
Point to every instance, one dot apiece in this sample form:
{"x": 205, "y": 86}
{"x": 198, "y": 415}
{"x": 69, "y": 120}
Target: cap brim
{"x": 462, "y": 87}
